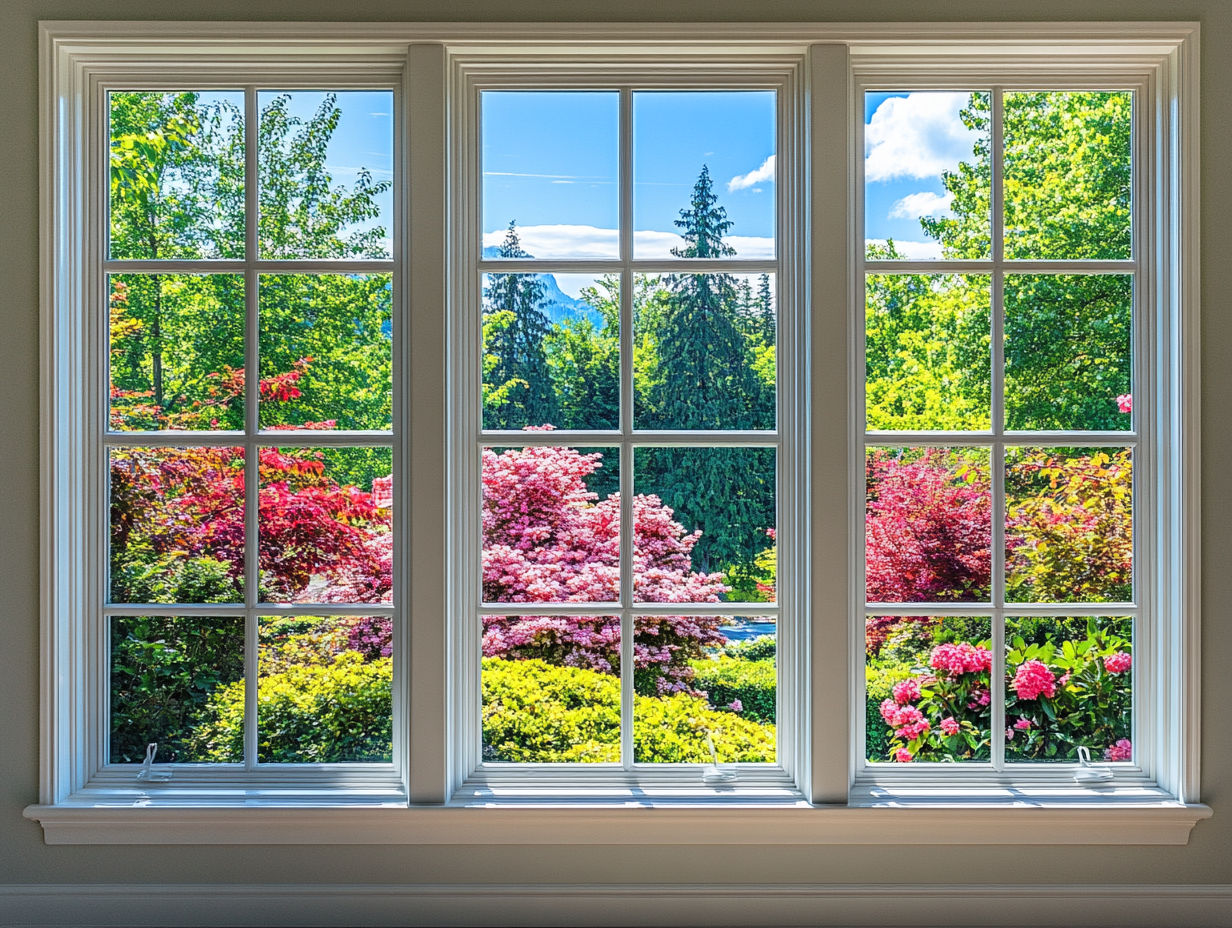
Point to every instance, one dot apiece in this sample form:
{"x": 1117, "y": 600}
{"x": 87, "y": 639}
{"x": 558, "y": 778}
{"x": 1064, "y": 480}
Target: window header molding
{"x": 1127, "y": 41}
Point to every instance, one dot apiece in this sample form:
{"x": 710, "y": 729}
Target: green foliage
{"x": 335, "y": 712}
{"x": 672, "y": 730}
{"x": 534, "y": 712}
{"x": 753, "y": 682}
{"x": 142, "y": 577}
{"x": 164, "y": 670}
{"x": 761, "y": 648}
{"x": 1091, "y": 706}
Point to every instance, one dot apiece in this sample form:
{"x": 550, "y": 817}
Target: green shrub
{"x": 164, "y": 669}
{"x": 761, "y": 648}
{"x": 534, "y": 712}
{"x": 322, "y": 713}
{"x": 753, "y": 682}
{"x": 672, "y": 730}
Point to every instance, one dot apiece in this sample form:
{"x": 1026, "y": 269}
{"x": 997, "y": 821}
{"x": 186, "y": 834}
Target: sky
{"x": 910, "y": 139}
{"x": 550, "y": 162}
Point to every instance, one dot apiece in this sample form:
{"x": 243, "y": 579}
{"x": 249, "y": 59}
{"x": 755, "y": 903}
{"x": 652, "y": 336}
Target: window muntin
{"x": 658, "y": 434}
{"x": 249, "y": 443}
{"x": 952, "y": 376}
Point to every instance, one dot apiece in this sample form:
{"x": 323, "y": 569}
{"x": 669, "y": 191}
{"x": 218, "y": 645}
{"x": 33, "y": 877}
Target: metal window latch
{"x": 714, "y": 773}
{"x": 1088, "y": 772}
{"x": 147, "y": 771}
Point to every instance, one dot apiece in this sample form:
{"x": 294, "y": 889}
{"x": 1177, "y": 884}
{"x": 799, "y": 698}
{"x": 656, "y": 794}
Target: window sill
{"x": 358, "y": 818}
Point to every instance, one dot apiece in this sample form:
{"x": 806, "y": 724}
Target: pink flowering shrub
{"x": 1123, "y": 750}
{"x": 1071, "y": 689}
{"x": 548, "y": 539}
{"x": 951, "y": 695}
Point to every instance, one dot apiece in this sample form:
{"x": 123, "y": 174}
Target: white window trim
{"x": 72, "y": 52}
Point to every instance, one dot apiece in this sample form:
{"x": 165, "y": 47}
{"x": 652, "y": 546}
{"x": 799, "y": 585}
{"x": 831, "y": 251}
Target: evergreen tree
{"x": 517, "y": 383}
{"x": 706, "y": 380}
{"x": 765, "y": 309}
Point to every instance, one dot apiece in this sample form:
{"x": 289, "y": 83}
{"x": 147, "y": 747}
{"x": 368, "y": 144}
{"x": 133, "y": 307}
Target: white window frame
{"x": 430, "y": 804}
{"x": 471, "y": 77}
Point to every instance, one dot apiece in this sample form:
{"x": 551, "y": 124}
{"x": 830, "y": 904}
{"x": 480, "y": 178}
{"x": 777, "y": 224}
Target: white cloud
{"x": 564, "y": 241}
{"x": 919, "y": 135}
{"x": 924, "y": 203}
{"x": 763, "y": 173}
{"x": 912, "y": 251}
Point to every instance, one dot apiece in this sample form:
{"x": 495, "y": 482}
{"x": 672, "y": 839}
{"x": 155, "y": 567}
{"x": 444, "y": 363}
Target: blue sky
{"x": 910, "y": 140}
{"x": 551, "y": 160}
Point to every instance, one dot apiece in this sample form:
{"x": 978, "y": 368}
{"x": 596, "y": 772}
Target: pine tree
{"x": 707, "y": 381}
{"x": 517, "y": 384}
{"x": 765, "y": 309}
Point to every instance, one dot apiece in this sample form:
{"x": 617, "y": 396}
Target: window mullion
{"x": 626, "y": 428}
{"x": 252, "y": 389}
{"x": 996, "y": 678}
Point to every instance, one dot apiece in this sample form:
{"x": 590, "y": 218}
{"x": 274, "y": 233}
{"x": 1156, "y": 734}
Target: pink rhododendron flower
{"x": 907, "y": 691}
{"x": 903, "y": 756}
{"x": 1009, "y": 734}
{"x": 1064, "y": 680}
{"x": 736, "y": 705}
{"x": 980, "y": 697}
{"x": 949, "y": 725}
{"x": 956, "y": 659}
{"x": 1024, "y": 724}
{"x": 907, "y": 721}
{"x": 1033, "y": 679}
{"x": 888, "y": 710}
{"x": 1118, "y": 662}
{"x": 1125, "y": 402}
{"x": 1123, "y": 750}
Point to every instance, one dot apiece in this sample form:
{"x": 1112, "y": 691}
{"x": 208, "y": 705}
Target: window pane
{"x": 176, "y": 352}
{"x": 326, "y": 163}
{"x": 169, "y": 676}
{"x": 703, "y": 174}
{"x": 551, "y": 525}
{"x": 177, "y": 525}
{"x": 324, "y": 691}
{"x": 326, "y": 351}
{"x": 704, "y": 351}
{"x": 550, "y": 171}
{"x": 1069, "y": 683}
{"x": 1067, "y": 175}
{"x": 551, "y": 351}
{"x": 927, "y": 688}
{"x": 177, "y": 175}
{"x": 927, "y": 180}
{"x": 1067, "y": 351}
{"x": 325, "y": 525}
{"x": 1069, "y": 525}
{"x": 928, "y": 525}
{"x": 705, "y": 525}
{"x": 696, "y": 687}
{"x": 926, "y": 349}
{"x": 551, "y": 689}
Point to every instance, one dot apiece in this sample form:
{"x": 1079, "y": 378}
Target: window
{"x": 625, "y": 320}
{"x": 654, "y": 243}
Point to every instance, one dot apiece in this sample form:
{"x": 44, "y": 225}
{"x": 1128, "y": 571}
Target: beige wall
{"x": 25, "y": 859}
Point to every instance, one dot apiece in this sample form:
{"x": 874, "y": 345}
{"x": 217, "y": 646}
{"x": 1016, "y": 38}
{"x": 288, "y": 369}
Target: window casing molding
{"x": 73, "y": 54}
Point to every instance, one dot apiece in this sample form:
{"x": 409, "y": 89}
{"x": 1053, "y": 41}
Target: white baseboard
{"x": 1037, "y": 905}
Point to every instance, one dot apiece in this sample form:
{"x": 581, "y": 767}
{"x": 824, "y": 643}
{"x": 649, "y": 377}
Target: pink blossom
{"x": 1123, "y": 750}
{"x": 980, "y": 697}
{"x": 949, "y": 725}
{"x": 1064, "y": 680}
{"x": 1009, "y": 734}
{"x": 907, "y": 691}
{"x": 1033, "y": 679}
{"x": 383, "y": 492}
{"x": 907, "y": 721}
{"x": 1118, "y": 662}
{"x": 903, "y": 756}
{"x": 888, "y": 710}
{"x": 736, "y": 705}
{"x": 961, "y": 658}
{"x": 1125, "y": 402}
{"x": 1024, "y": 724}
